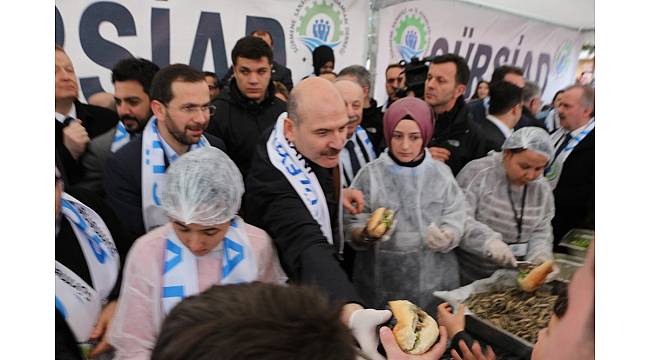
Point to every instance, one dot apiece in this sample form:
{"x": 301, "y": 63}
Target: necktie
{"x": 354, "y": 160}
{"x": 567, "y": 138}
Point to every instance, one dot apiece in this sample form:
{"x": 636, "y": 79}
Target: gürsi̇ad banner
{"x": 97, "y": 34}
{"x": 486, "y": 39}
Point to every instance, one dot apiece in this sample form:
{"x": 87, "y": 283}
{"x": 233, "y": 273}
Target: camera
{"x": 415, "y": 73}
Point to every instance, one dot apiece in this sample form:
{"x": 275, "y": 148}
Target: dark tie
{"x": 354, "y": 160}
{"x": 567, "y": 138}
{"x": 67, "y": 121}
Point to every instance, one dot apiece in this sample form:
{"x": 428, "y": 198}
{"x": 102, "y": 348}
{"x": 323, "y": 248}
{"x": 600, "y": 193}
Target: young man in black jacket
{"x": 248, "y": 106}
{"x": 456, "y": 139}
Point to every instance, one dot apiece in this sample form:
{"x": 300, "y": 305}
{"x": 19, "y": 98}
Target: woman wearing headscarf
{"x": 415, "y": 258}
{"x": 204, "y": 243}
{"x": 510, "y": 206}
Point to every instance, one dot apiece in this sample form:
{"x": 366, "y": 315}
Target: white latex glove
{"x": 437, "y": 239}
{"x": 363, "y": 324}
{"x": 554, "y": 274}
{"x": 390, "y": 231}
{"x": 500, "y": 253}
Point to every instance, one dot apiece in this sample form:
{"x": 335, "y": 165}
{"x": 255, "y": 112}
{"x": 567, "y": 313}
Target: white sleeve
{"x": 540, "y": 244}
{"x": 133, "y": 329}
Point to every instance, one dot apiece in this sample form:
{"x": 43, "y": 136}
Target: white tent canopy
{"x": 575, "y": 14}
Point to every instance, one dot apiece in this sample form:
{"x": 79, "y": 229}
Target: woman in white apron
{"x": 203, "y": 244}
{"x": 510, "y": 206}
{"x": 417, "y": 258}
{"x": 87, "y": 267}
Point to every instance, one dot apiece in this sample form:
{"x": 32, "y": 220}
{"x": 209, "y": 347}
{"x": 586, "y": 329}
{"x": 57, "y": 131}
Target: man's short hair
{"x": 254, "y": 321}
{"x": 500, "y": 72}
{"x": 140, "y": 70}
{"x": 503, "y": 97}
{"x": 395, "y": 65}
{"x": 531, "y": 90}
{"x": 262, "y": 33}
{"x": 358, "y": 72}
{"x": 588, "y": 98}
{"x": 161, "y": 85}
{"x": 462, "y": 70}
{"x": 251, "y": 47}
{"x": 217, "y": 82}
{"x": 293, "y": 107}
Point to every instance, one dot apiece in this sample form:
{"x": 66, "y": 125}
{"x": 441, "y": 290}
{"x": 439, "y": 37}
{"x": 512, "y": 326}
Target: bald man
{"x": 358, "y": 149}
{"x": 293, "y": 194}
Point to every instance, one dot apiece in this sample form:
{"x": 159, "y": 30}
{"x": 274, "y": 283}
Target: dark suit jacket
{"x": 97, "y": 121}
{"x": 528, "y": 119}
{"x": 123, "y": 185}
{"x": 575, "y": 191}
{"x": 492, "y": 135}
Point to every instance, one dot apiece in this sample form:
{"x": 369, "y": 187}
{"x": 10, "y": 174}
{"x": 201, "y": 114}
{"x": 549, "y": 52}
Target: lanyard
{"x": 518, "y": 219}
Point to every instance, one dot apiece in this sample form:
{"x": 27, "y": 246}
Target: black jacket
{"x": 575, "y": 190}
{"x": 457, "y": 132}
{"x": 279, "y": 73}
{"x": 492, "y": 135}
{"x": 123, "y": 185}
{"x": 272, "y": 204}
{"x": 240, "y": 122}
{"x": 528, "y": 119}
{"x": 373, "y": 123}
{"x": 97, "y": 121}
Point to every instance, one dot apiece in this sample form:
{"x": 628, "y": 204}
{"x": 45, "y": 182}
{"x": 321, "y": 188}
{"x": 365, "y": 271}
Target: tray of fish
{"x": 500, "y": 314}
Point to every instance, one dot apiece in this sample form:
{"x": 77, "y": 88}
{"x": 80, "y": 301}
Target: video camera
{"x": 415, "y": 73}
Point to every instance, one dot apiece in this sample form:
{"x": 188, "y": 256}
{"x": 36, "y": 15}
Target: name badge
{"x": 519, "y": 249}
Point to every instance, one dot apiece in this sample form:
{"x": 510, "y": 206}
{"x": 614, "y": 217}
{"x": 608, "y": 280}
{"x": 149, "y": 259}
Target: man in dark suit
{"x": 75, "y": 123}
{"x": 532, "y": 104}
{"x": 572, "y": 171}
{"x": 180, "y": 102}
{"x": 131, "y": 78}
{"x": 504, "y": 112}
{"x": 511, "y": 74}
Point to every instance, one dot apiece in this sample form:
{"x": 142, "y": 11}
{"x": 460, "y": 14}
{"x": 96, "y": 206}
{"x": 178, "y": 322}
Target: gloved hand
{"x": 554, "y": 274}
{"x": 500, "y": 253}
{"x": 363, "y": 324}
{"x": 437, "y": 239}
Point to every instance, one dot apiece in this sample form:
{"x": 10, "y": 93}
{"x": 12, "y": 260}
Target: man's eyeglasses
{"x": 194, "y": 109}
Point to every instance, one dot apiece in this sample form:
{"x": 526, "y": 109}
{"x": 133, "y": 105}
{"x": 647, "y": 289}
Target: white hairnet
{"x": 530, "y": 138}
{"x": 202, "y": 187}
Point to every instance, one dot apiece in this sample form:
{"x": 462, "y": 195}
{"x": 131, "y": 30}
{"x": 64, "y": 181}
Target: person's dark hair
{"x": 475, "y": 96}
{"x": 558, "y": 93}
{"x": 161, "y": 85}
{"x": 500, "y": 73}
{"x": 254, "y": 321}
{"x": 281, "y": 88}
{"x": 462, "y": 70}
{"x": 135, "y": 69}
{"x": 395, "y": 65}
{"x": 217, "y": 82}
{"x": 358, "y": 72}
{"x": 251, "y": 47}
{"x": 503, "y": 97}
{"x": 261, "y": 33}
{"x": 320, "y": 56}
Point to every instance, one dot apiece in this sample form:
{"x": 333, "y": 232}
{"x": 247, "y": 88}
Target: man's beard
{"x": 133, "y": 130}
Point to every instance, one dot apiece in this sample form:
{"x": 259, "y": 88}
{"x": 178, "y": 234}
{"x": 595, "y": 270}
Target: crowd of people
{"x": 194, "y": 186}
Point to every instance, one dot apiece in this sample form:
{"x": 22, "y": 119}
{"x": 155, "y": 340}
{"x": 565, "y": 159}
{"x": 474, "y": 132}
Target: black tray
{"x": 506, "y": 345}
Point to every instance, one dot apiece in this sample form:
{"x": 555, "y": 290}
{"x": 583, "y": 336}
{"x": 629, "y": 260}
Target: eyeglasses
{"x": 194, "y": 109}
